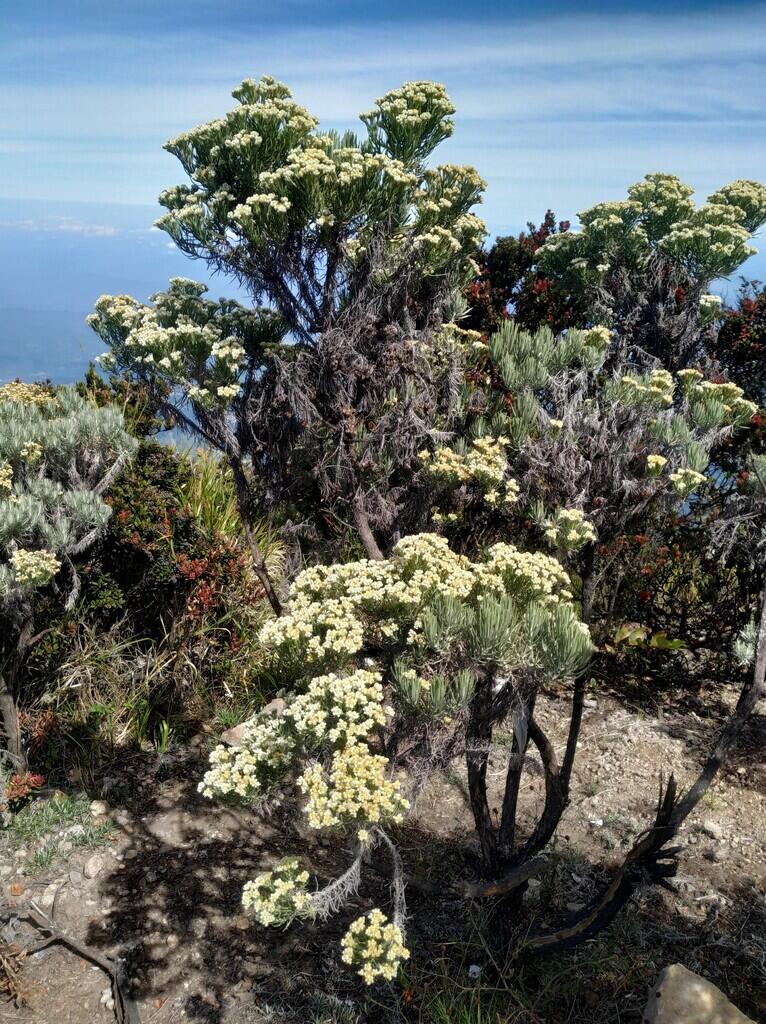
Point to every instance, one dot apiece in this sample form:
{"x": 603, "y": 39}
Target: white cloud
{"x": 60, "y": 225}
{"x": 558, "y": 110}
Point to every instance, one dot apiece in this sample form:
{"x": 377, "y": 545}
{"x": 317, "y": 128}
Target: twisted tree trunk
{"x": 9, "y": 715}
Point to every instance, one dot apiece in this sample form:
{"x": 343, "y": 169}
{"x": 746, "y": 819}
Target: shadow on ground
{"x": 170, "y": 905}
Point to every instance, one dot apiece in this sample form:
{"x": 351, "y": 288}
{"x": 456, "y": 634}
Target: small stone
{"x": 712, "y": 829}
{"x": 98, "y": 808}
{"x": 75, "y": 877}
{"x": 242, "y": 922}
{"x": 94, "y": 865}
{"x": 48, "y": 896}
{"x": 257, "y": 968}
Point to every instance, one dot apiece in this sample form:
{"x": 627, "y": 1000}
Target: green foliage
{"x": 509, "y": 284}
{"x": 741, "y": 341}
{"x": 40, "y": 818}
{"x": 57, "y": 454}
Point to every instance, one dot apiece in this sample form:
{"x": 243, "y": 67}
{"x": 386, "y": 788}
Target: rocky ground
{"x": 155, "y": 877}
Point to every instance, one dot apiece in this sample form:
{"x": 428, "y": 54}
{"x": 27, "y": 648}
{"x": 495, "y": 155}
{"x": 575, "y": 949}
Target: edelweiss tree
{"x": 646, "y": 263}
{"x": 58, "y": 455}
{"x": 321, "y": 397}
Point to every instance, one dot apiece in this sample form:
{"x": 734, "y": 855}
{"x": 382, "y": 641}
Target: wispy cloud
{"x": 60, "y": 225}
{"x": 556, "y": 110}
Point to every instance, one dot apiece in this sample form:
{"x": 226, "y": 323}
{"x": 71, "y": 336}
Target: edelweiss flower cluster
{"x": 266, "y": 751}
{"x": 375, "y": 946}
{"x": 340, "y": 709}
{"x": 413, "y": 103}
{"x": 653, "y": 389}
{"x": 710, "y": 305}
{"x": 569, "y": 529}
{"x": 31, "y": 452}
{"x": 176, "y": 351}
{"x": 688, "y": 378}
{"x": 34, "y": 568}
{"x": 247, "y": 215}
{"x": 6, "y": 478}
{"x": 355, "y": 790}
{"x": 437, "y": 240}
{"x": 25, "y": 394}
{"x": 686, "y": 480}
{"x": 277, "y": 897}
{"x": 528, "y": 575}
{"x": 736, "y": 408}
{"x": 335, "y": 608}
{"x": 598, "y": 337}
{"x": 484, "y": 464}
{"x": 655, "y": 464}
{"x": 335, "y": 710}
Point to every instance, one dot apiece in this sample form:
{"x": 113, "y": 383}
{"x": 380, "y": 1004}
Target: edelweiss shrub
{"x": 370, "y": 650}
{"x": 659, "y": 215}
{"x": 592, "y": 440}
{"x": 645, "y": 264}
{"x": 58, "y": 453}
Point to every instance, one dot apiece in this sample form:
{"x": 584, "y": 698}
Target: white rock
{"x": 682, "y": 997}
{"x": 98, "y": 808}
{"x": 48, "y": 896}
{"x": 94, "y": 865}
{"x": 712, "y": 829}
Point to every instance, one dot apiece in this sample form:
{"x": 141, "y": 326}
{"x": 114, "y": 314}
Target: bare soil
{"x": 164, "y": 894}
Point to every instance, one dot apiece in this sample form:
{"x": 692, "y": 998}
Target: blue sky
{"x": 559, "y": 104}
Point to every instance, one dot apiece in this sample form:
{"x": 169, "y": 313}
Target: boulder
{"x": 682, "y": 997}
